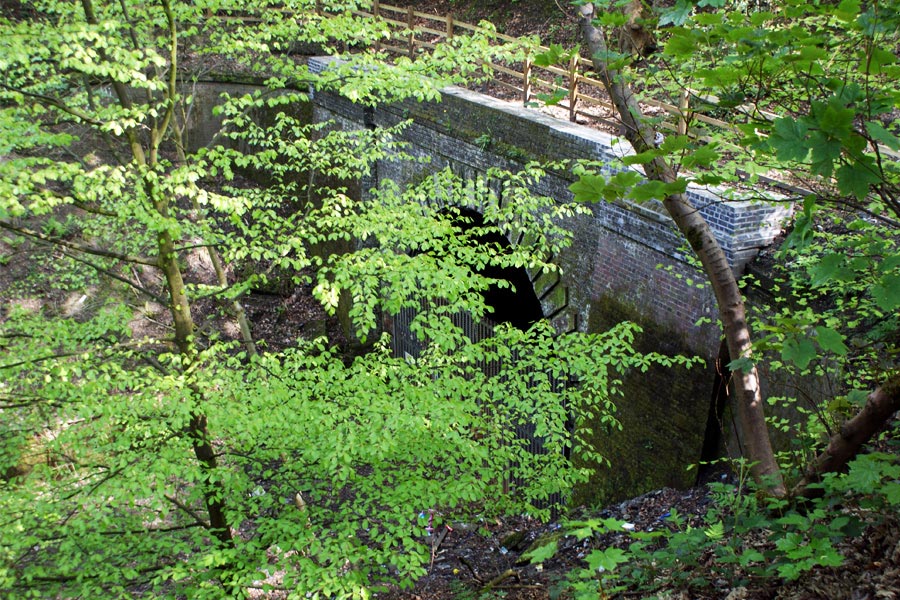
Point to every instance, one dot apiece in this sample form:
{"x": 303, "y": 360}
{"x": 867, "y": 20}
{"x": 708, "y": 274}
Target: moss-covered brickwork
{"x": 663, "y": 414}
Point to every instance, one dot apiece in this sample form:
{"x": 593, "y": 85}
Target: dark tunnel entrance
{"x": 519, "y": 305}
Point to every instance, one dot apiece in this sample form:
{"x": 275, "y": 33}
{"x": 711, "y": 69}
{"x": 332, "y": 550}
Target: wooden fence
{"x": 414, "y": 31}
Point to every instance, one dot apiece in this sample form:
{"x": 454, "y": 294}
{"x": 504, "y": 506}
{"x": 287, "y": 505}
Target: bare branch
{"x": 187, "y": 509}
{"x": 57, "y": 104}
{"x": 142, "y": 260}
{"x": 117, "y": 277}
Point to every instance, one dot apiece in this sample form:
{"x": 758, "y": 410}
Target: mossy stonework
{"x": 627, "y": 261}
{"x": 663, "y": 413}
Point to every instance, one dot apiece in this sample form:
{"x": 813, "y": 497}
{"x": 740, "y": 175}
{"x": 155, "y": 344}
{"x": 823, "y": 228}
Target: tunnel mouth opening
{"x": 714, "y": 433}
{"x": 517, "y": 304}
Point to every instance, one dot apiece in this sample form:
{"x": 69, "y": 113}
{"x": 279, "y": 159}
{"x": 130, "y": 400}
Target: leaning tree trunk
{"x": 696, "y": 230}
{"x": 846, "y": 443}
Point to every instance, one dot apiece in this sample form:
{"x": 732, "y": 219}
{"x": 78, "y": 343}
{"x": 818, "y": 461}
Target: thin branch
{"x": 117, "y": 277}
{"x": 187, "y": 509}
{"x": 193, "y": 246}
{"x": 41, "y": 359}
{"x": 92, "y": 210}
{"x": 92, "y": 103}
{"x": 158, "y": 134}
{"x": 151, "y": 530}
{"x": 132, "y": 344}
{"x": 142, "y": 260}
{"x": 81, "y": 575}
{"x": 55, "y": 103}
{"x": 134, "y": 44}
{"x": 137, "y": 151}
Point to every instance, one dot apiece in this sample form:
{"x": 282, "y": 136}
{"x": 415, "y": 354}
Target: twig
{"x": 143, "y": 260}
{"x": 519, "y": 586}
{"x": 436, "y": 543}
{"x": 188, "y": 510}
{"x": 496, "y": 580}
{"x": 469, "y": 566}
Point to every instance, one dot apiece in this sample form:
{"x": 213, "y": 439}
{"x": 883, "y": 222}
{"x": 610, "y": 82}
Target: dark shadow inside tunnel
{"x": 517, "y": 305}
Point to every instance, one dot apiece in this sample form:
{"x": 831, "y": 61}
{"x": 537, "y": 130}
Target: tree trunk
{"x": 696, "y": 230}
{"x": 184, "y": 332}
{"x": 845, "y": 444}
{"x": 237, "y": 309}
{"x": 167, "y": 262}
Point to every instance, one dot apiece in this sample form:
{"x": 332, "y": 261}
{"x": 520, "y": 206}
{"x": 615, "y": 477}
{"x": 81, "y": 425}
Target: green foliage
{"x": 368, "y": 445}
{"x": 803, "y": 98}
{"x": 809, "y": 91}
{"x": 146, "y": 452}
{"x": 833, "y": 318}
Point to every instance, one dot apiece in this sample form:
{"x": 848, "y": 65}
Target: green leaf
{"x": 552, "y": 56}
{"x": 866, "y": 472}
{"x": 802, "y": 234}
{"x": 891, "y": 493}
{"x": 855, "y": 179}
{"x": 704, "y": 156}
{"x": 541, "y": 553}
{"x": 788, "y": 139}
{"x": 648, "y": 191}
{"x": 742, "y": 365}
{"x": 847, "y": 10}
{"x": 676, "y": 15}
{"x": 795, "y": 520}
{"x": 825, "y": 151}
{"x": 833, "y": 118}
{"x": 880, "y": 134}
{"x": 589, "y": 188}
{"x": 886, "y": 292}
{"x": 750, "y": 556}
{"x": 640, "y": 159}
{"x": 606, "y": 560}
{"x": 798, "y": 351}
{"x": 715, "y": 532}
{"x": 877, "y": 60}
{"x": 581, "y": 533}
{"x": 831, "y": 341}
{"x": 675, "y": 143}
{"x": 857, "y": 398}
{"x": 826, "y": 269}
{"x": 681, "y": 44}
{"x": 553, "y": 99}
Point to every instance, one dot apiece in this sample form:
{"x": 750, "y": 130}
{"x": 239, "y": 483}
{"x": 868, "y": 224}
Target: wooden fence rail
{"x": 414, "y": 31}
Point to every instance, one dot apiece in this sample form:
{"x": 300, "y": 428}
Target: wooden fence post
{"x": 573, "y": 86}
{"x": 526, "y": 80}
{"x": 318, "y": 7}
{"x": 449, "y": 26}
{"x": 683, "y": 104}
{"x": 410, "y": 24}
{"x": 376, "y": 12}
